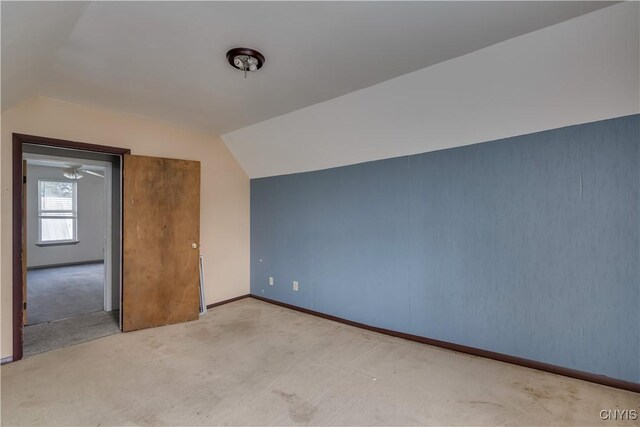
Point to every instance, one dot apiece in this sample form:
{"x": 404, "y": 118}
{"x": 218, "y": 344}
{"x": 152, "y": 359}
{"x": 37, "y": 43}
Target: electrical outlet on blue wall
{"x": 295, "y": 285}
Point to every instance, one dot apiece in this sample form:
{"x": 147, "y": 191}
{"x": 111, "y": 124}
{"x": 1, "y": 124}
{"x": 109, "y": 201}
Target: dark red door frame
{"x": 18, "y": 141}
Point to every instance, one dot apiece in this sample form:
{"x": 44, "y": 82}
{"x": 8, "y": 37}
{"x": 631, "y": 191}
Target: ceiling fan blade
{"x": 92, "y": 173}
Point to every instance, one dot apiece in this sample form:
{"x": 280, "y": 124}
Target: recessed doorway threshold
{"x": 73, "y": 330}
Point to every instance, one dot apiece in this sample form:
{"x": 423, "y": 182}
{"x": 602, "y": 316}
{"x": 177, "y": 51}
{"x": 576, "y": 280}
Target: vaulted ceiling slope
{"x": 167, "y": 59}
{"x": 582, "y": 70}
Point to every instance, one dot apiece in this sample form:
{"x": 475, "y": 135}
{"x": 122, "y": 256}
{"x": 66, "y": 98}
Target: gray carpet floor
{"x": 60, "y": 292}
{"x": 65, "y": 307}
{"x": 74, "y": 330}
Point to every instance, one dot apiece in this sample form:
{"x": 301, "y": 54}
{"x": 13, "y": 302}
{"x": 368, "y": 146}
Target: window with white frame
{"x": 57, "y": 211}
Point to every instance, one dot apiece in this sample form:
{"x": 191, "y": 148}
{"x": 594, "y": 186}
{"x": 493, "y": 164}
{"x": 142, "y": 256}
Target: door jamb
{"x": 107, "y": 293}
{"x": 17, "y": 174}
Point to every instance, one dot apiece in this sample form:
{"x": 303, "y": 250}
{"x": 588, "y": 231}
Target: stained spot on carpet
{"x": 480, "y": 402}
{"x": 565, "y": 392}
{"x": 300, "y": 411}
{"x": 30, "y": 404}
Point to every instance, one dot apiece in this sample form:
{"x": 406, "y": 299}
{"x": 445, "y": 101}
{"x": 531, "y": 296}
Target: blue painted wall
{"x": 527, "y": 246}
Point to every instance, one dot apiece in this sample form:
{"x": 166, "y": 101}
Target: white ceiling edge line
{"x": 581, "y": 70}
{"x": 123, "y": 113}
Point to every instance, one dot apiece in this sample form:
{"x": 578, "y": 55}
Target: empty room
{"x": 320, "y": 213}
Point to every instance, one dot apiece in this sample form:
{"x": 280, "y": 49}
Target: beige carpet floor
{"x": 253, "y": 363}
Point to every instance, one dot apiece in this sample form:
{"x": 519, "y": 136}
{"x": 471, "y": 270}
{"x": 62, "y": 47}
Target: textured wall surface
{"x": 527, "y": 246}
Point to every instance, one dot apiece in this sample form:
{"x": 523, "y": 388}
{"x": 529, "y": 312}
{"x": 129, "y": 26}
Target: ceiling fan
{"x": 74, "y": 172}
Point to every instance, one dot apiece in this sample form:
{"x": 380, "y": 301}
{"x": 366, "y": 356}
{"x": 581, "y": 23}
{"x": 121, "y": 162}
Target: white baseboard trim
{"x": 4, "y": 360}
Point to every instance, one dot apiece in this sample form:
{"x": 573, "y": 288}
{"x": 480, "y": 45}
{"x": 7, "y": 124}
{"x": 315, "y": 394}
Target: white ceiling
{"x": 582, "y": 70}
{"x": 59, "y": 162}
{"x": 167, "y": 59}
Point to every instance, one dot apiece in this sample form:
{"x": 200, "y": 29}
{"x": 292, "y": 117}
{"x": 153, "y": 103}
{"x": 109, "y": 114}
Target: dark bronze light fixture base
{"x": 245, "y": 51}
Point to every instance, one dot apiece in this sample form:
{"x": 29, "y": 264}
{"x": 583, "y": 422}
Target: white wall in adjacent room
{"x": 91, "y": 221}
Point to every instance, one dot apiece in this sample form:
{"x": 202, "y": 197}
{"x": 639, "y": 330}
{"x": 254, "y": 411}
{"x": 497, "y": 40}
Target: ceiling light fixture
{"x": 245, "y": 59}
{"x": 72, "y": 173}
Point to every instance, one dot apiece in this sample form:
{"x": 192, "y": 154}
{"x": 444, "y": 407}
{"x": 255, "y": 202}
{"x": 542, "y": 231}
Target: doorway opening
{"x": 69, "y": 290}
{"x": 67, "y": 243}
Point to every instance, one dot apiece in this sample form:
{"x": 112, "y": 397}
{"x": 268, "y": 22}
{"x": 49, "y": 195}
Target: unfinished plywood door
{"x": 161, "y": 228}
